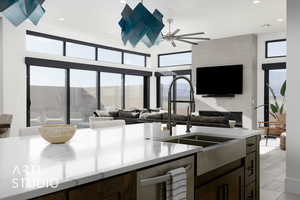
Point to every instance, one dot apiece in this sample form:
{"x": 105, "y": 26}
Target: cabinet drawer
{"x": 116, "y": 188}
{"x": 155, "y": 191}
{"x": 250, "y": 193}
{"x": 250, "y": 169}
{"x": 227, "y": 187}
{"x": 55, "y": 196}
{"x": 251, "y": 144}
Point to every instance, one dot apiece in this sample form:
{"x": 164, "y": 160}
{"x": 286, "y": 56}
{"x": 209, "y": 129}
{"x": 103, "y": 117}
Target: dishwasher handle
{"x": 160, "y": 179}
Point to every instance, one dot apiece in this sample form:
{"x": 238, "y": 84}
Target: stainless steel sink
{"x": 216, "y": 151}
{"x": 199, "y": 140}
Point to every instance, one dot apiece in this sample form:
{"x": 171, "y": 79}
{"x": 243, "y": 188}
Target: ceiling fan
{"x": 172, "y": 36}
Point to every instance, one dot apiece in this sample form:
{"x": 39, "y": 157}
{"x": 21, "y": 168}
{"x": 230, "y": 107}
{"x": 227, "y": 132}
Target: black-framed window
{"x": 175, "y": 59}
{"x": 134, "y": 59}
{"x": 83, "y": 95}
{"x": 110, "y": 56}
{"x": 50, "y": 44}
{"x": 276, "y": 48}
{"x": 111, "y": 90}
{"x": 165, "y": 82}
{"x": 75, "y": 50}
{"x": 48, "y": 95}
{"x": 66, "y": 92}
{"x": 275, "y": 75}
{"x": 183, "y": 93}
{"x": 44, "y": 45}
{"x": 134, "y": 91}
{"x": 180, "y": 92}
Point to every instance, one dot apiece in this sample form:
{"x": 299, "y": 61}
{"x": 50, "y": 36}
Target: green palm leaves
{"x": 277, "y": 108}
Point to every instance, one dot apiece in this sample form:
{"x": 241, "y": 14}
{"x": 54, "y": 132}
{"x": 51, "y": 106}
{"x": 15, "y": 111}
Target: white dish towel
{"x": 176, "y": 186}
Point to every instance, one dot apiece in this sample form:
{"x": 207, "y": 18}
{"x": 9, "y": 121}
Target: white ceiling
{"x": 218, "y": 18}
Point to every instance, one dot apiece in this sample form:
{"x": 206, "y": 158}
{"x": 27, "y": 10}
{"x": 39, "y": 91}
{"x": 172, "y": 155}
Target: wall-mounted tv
{"x": 220, "y": 80}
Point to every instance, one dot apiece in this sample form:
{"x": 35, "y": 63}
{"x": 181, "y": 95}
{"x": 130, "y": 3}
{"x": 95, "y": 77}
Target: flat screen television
{"x": 220, "y": 80}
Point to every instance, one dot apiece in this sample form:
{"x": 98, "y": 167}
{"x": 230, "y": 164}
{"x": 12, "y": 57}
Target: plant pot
{"x": 283, "y": 141}
{"x": 282, "y": 120}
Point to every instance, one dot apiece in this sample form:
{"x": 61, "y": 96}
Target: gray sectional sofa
{"x": 148, "y": 115}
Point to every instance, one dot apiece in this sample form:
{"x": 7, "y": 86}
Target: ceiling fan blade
{"x": 193, "y": 43}
{"x": 194, "y": 38}
{"x": 173, "y": 44}
{"x": 175, "y": 32}
{"x": 191, "y": 34}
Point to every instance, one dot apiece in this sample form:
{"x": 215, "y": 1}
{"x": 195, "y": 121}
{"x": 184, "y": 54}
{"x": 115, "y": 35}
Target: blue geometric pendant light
{"x": 141, "y": 25}
{"x": 17, "y": 11}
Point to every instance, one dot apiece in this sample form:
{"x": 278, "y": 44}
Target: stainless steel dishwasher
{"x": 151, "y": 181}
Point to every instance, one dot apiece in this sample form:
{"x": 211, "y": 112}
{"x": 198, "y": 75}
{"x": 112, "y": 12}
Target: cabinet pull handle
{"x": 251, "y": 168}
{"x": 226, "y": 192}
{"x": 250, "y": 196}
{"x": 250, "y": 145}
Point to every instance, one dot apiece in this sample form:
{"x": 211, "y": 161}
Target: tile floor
{"x": 272, "y": 174}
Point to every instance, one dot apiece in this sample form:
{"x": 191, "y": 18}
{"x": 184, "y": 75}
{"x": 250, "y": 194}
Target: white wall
{"x": 14, "y": 74}
{"x": 261, "y": 59}
{"x": 1, "y": 68}
{"x": 230, "y": 51}
{"x": 293, "y": 82}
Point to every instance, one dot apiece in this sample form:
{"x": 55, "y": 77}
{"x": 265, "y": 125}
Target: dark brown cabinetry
{"x": 238, "y": 180}
{"x": 117, "y": 188}
{"x": 54, "y": 196}
{"x": 252, "y": 168}
{"x": 227, "y": 187}
{"x": 250, "y": 193}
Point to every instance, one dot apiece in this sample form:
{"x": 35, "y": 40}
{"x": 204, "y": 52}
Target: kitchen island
{"x": 94, "y": 155}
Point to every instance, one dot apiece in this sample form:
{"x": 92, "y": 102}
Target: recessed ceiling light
{"x": 61, "y": 19}
{"x": 266, "y": 25}
{"x": 280, "y": 20}
{"x": 256, "y": 1}
{"x": 123, "y": 1}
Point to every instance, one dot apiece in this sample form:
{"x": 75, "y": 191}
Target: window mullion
{"x": 123, "y": 91}
{"x": 68, "y": 107}
{"x": 98, "y": 90}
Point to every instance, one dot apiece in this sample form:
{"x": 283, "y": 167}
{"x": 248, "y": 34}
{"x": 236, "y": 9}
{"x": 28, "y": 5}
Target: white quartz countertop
{"x": 29, "y": 164}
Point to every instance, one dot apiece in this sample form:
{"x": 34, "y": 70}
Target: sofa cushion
{"x": 114, "y": 113}
{"x": 151, "y": 116}
{"x": 128, "y": 114}
{"x": 103, "y": 113}
{"x": 175, "y": 117}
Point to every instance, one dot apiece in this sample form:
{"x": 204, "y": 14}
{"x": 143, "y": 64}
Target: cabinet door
{"x": 250, "y": 173}
{"x": 250, "y": 193}
{"x": 116, "y": 188}
{"x": 55, "y": 196}
{"x": 227, "y": 187}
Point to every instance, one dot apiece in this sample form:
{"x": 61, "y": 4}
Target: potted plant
{"x": 278, "y": 109}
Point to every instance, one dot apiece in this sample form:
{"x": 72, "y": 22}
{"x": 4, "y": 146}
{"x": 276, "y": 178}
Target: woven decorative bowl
{"x": 57, "y": 134}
